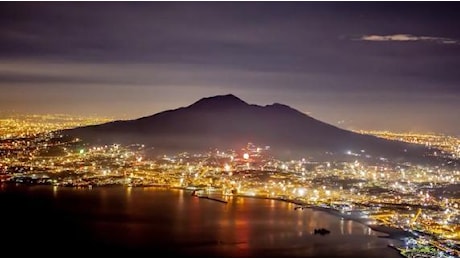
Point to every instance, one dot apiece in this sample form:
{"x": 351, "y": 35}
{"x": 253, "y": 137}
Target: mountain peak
{"x": 283, "y": 108}
{"x": 280, "y": 106}
{"x": 226, "y": 101}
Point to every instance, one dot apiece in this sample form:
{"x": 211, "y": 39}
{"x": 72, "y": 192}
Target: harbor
{"x": 198, "y": 195}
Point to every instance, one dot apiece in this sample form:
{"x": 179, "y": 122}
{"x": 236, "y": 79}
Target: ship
{"x": 322, "y": 231}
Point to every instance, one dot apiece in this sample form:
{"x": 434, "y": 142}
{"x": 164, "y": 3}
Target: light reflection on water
{"x": 155, "y": 218}
{"x": 55, "y": 191}
{"x": 128, "y": 193}
{"x": 341, "y": 226}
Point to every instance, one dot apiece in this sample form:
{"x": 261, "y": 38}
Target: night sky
{"x": 367, "y": 65}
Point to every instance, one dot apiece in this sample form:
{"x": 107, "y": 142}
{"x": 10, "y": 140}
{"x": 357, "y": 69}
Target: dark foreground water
{"x": 47, "y": 221}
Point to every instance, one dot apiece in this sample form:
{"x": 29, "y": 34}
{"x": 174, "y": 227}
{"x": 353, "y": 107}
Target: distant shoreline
{"x": 392, "y": 233}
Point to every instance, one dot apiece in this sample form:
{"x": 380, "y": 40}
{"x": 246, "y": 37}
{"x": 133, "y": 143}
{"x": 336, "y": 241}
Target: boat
{"x": 322, "y": 231}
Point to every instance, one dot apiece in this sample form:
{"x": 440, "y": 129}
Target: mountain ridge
{"x": 227, "y": 122}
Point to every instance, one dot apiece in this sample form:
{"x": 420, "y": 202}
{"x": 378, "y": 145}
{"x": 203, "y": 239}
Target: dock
{"x": 214, "y": 199}
{"x": 301, "y": 207}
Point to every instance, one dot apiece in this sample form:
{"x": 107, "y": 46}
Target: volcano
{"x": 227, "y": 122}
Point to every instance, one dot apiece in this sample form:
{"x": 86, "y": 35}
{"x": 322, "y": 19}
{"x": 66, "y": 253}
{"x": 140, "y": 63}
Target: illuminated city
{"x": 423, "y": 201}
{"x": 230, "y": 129}
{"x": 21, "y": 126}
{"x": 449, "y": 145}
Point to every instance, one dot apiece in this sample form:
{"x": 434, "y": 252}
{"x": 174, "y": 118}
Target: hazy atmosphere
{"x": 230, "y": 129}
{"x": 355, "y": 65}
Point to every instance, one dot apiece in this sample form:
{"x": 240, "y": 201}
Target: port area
{"x": 411, "y": 243}
{"x": 214, "y": 199}
{"x": 408, "y": 243}
{"x": 196, "y": 193}
{"x": 392, "y": 232}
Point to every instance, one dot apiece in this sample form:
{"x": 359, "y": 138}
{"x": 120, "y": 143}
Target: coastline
{"x": 290, "y": 239}
{"x": 391, "y": 233}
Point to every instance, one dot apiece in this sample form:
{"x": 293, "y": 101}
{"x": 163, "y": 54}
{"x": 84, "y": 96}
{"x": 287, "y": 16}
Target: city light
{"x": 350, "y": 187}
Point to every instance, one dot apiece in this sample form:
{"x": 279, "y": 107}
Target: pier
{"x": 214, "y": 199}
{"x": 301, "y": 207}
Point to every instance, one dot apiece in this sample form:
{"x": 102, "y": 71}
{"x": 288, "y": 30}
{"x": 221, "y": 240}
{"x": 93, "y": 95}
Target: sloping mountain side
{"x": 228, "y": 122}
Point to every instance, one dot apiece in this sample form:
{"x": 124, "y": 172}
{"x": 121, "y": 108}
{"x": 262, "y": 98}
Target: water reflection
{"x": 128, "y": 194}
{"x": 349, "y": 227}
{"x": 55, "y": 191}
{"x": 272, "y": 205}
{"x": 155, "y": 220}
{"x": 341, "y": 226}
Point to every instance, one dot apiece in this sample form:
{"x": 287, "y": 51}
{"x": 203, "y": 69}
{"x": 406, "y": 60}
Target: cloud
{"x": 407, "y": 38}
